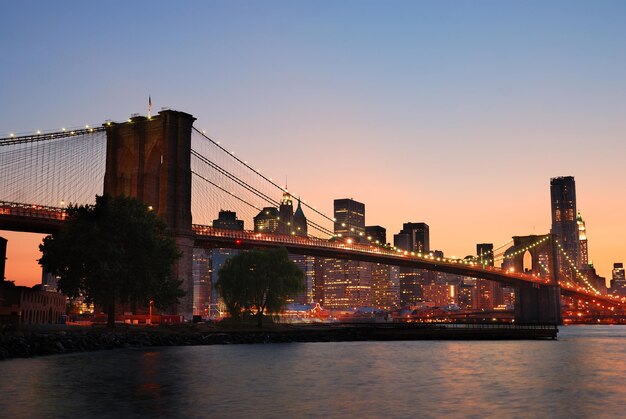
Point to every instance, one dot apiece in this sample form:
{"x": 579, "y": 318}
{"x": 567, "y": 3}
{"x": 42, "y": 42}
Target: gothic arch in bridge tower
{"x": 527, "y": 261}
{"x": 532, "y": 253}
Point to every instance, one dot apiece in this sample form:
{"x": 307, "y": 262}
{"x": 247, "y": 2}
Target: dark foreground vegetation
{"x": 29, "y": 343}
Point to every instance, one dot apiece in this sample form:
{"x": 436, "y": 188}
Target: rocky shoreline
{"x": 38, "y": 343}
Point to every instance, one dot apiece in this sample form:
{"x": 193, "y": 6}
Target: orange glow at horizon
{"x": 22, "y": 255}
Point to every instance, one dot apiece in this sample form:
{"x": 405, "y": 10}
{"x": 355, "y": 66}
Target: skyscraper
{"x": 385, "y": 286}
{"x": 228, "y": 220}
{"x": 300, "y": 227}
{"x": 202, "y": 283}
{"x": 618, "y": 280}
{"x": 564, "y": 224}
{"x": 376, "y": 234}
{"x": 487, "y": 294}
{"x": 349, "y": 219}
{"x": 285, "y": 214}
{"x": 414, "y": 237}
{"x": 266, "y": 221}
{"x": 583, "y": 254}
{"x": 347, "y": 283}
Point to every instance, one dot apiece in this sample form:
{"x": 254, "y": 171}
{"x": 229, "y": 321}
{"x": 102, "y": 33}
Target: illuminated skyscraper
{"x": 564, "y": 224}
{"x": 376, "y": 234}
{"x": 266, "y": 221}
{"x": 307, "y": 266}
{"x": 618, "y": 280}
{"x": 414, "y": 237}
{"x": 385, "y": 286}
{"x": 202, "y": 284}
{"x": 583, "y": 254}
{"x": 487, "y": 294}
{"x": 347, "y": 283}
{"x": 285, "y": 214}
{"x": 349, "y": 219}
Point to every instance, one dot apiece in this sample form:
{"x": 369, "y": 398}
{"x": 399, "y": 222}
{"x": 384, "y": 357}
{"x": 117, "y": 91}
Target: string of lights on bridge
{"x": 517, "y": 252}
{"x": 573, "y": 266}
{"x": 88, "y": 129}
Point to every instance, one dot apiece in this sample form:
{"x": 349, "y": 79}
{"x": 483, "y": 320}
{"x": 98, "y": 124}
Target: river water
{"x": 580, "y": 375}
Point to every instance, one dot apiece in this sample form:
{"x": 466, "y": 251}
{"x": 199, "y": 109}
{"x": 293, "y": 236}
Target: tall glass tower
{"x": 349, "y": 219}
{"x": 564, "y": 222}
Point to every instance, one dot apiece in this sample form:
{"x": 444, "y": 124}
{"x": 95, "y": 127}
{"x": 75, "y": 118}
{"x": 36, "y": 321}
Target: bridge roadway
{"x": 47, "y": 220}
{"x": 209, "y": 237}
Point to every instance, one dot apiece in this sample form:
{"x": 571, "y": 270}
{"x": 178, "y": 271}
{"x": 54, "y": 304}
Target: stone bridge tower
{"x": 534, "y": 303}
{"x": 150, "y": 159}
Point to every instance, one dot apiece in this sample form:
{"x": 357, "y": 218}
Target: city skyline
{"x": 456, "y": 117}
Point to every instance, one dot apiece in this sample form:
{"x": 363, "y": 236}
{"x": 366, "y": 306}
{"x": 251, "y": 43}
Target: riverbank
{"x": 48, "y": 341}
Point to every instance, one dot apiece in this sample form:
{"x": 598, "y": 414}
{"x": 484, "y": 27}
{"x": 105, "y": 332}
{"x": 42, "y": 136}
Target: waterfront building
{"x": 411, "y": 286}
{"x": 484, "y": 295}
{"x": 347, "y": 283}
{"x": 307, "y": 265}
{"x": 227, "y": 220}
{"x": 202, "y": 282}
{"x": 319, "y": 280}
{"x": 440, "y": 295}
{"x": 24, "y": 305}
{"x": 564, "y": 223}
{"x": 349, "y": 219}
{"x": 465, "y": 296}
{"x": 385, "y": 286}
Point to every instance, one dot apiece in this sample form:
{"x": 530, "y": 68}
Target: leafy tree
{"x": 260, "y": 280}
{"x": 114, "y": 251}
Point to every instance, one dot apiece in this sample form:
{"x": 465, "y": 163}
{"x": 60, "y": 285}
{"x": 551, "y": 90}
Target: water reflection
{"x": 578, "y": 376}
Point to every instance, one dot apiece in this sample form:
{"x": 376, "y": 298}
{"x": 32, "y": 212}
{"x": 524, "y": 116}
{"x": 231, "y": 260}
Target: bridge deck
{"x": 47, "y": 220}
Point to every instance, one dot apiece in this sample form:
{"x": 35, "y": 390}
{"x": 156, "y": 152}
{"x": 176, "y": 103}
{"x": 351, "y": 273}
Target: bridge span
{"x": 47, "y": 220}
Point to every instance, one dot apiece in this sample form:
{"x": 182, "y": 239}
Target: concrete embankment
{"x": 23, "y": 344}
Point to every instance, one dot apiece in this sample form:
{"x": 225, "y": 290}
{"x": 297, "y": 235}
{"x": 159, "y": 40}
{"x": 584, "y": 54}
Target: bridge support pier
{"x": 150, "y": 159}
{"x": 538, "y": 305}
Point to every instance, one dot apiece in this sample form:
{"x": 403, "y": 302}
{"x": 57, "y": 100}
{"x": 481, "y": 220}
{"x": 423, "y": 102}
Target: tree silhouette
{"x": 114, "y": 251}
{"x": 260, "y": 280}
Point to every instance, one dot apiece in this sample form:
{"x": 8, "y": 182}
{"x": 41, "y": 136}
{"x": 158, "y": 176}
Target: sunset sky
{"x": 453, "y": 113}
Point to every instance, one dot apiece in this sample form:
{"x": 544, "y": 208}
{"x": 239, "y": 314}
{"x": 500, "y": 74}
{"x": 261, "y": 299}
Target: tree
{"x": 114, "y": 251}
{"x": 260, "y": 280}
